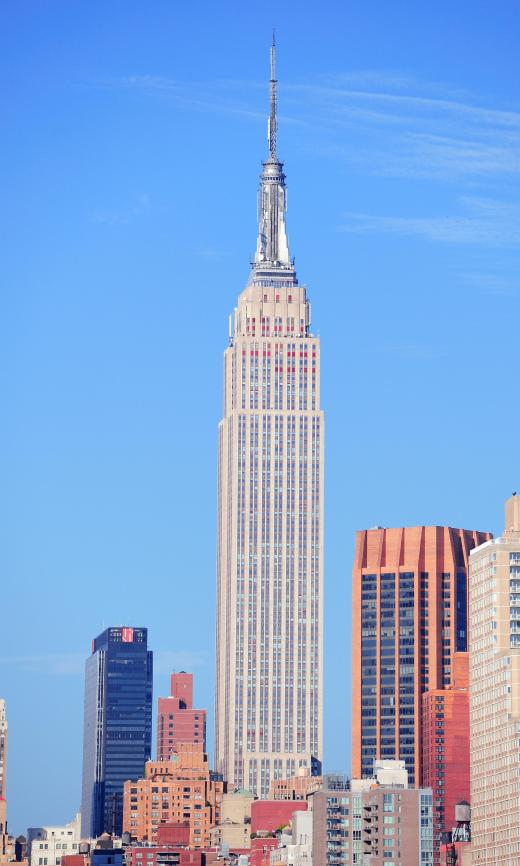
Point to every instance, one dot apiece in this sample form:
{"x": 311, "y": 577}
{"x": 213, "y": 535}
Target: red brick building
{"x": 445, "y": 747}
{"x": 177, "y": 720}
{"x": 267, "y": 816}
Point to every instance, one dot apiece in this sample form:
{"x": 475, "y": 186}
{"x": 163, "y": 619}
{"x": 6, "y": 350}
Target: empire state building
{"x": 269, "y": 640}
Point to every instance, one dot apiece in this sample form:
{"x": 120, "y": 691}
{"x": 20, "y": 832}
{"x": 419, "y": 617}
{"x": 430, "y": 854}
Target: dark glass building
{"x": 117, "y": 733}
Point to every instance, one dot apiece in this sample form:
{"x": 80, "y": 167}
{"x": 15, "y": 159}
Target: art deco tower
{"x": 270, "y": 515}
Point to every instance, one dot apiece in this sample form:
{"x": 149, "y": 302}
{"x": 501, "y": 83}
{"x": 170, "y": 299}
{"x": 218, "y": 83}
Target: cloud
{"x": 68, "y": 664}
{"x": 122, "y": 216}
{"x": 411, "y": 352}
{"x": 430, "y": 129}
{"x": 493, "y": 284}
{"x": 166, "y": 661}
{"x": 486, "y": 221}
{"x": 73, "y": 664}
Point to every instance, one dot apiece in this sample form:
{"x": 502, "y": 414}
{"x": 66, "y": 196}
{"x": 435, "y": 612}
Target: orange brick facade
{"x": 409, "y": 608}
{"x": 176, "y": 791}
{"x": 445, "y": 748}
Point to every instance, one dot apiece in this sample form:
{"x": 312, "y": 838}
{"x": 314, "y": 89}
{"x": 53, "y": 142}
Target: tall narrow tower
{"x": 270, "y": 515}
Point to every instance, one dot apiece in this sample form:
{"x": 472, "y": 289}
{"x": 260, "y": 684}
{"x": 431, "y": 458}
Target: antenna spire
{"x": 272, "y": 116}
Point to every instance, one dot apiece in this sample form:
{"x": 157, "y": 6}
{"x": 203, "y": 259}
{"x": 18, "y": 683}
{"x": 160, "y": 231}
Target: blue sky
{"x": 132, "y": 135}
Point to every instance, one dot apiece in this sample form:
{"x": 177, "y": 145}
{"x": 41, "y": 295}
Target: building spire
{"x": 272, "y": 248}
{"x": 272, "y": 127}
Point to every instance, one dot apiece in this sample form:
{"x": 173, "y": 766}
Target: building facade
{"x": 297, "y": 787}
{"x": 3, "y": 748}
{"x": 179, "y": 791}
{"x": 177, "y": 720}
{"x": 495, "y": 695}
{"x": 445, "y": 747}
{"x": 47, "y": 845}
{"x": 270, "y": 516}
{"x": 379, "y": 821}
{"x": 410, "y": 610}
{"x": 117, "y": 729}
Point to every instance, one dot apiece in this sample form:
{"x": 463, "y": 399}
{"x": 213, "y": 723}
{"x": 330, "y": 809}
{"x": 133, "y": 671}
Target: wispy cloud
{"x": 493, "y": 284}
{"x": 430, "y": 129}
{"x": 69, "y": 664}
{"x": 411, "y": 351}
{"x": 121, "y": 216}
{"x": 482, "y": 221}
{"x": 165, "y": 661}
{"x": 73, "y": 664}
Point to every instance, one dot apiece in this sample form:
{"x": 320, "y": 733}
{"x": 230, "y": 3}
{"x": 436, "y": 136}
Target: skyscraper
{"x": 177, "y": 720}
{"x": 3, "y": 747}
{"x": 494, "y": 680}
{"x": 117, "y": 730}
{"x": 270, "y": 515}
{"x": 4, "y": 840}
{"x": 410, "y": 610}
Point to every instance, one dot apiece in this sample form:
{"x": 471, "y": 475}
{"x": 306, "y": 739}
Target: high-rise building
{"x": 3, "y": 748}
{"x": 495, "y": 695}
{"x": 4, "y": 840}
{"x": 270, "y": 516}
{"x": 445, "y": 747}
{"x": 117, "y": 730}
{"x": 410, "y": 610}
{"x": 180, "y": 791}
{"x": 177, "y": 720}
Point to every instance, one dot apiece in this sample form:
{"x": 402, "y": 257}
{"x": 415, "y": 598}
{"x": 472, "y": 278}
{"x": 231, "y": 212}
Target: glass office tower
{"x": 117, "y": 733}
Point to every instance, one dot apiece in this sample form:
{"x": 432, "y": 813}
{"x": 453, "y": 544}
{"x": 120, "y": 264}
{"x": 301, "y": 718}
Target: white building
{"x": 47, "y": 845}
{"x": 297, "y": 849}
{"x": 494, "y": 695}
{"x": 268, "y": 708}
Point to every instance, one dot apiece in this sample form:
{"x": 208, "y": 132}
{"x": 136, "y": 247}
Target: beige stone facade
{"x": 495, "y": 695}
{"x": 270, "y": 519}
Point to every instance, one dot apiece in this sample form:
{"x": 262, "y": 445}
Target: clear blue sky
{"x": 132, "y": 134}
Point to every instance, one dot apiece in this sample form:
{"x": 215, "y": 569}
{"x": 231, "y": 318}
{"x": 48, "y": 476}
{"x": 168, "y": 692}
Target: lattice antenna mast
{"x": 272, "y": 117}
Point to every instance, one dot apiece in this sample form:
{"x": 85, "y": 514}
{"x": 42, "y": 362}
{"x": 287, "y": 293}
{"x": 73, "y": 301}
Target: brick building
{"x": 177, "y": 720}
{"x": 445, "y": 747}
{"x": 177, "y": 791}
{"x": 410, "y": 616}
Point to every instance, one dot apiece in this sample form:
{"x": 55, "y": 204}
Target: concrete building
{"x": 270, "y": 516}
{"x": 495, "y": 695}
{"x": 380, "y": 821}
{"x": 178, "y": 791}
{"x": 445, "y": 747}
{"x": 47, "y": 845}
{"x": 177, "y": 720}
{"x": 117, "y": 730}
{"x": 297, "y": 851}
{"x": 234, "y": 827}
{"x": 297, "y": 787}
{"x": 409, "y": 609}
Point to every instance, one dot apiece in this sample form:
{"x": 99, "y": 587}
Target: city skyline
{"x": 411, "y": 261}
